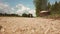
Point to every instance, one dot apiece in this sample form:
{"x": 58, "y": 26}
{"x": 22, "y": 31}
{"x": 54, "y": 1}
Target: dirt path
{"x": 19, "y": 25}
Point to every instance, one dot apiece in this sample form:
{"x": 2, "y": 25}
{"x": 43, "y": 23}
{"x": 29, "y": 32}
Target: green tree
{"x": 55, "y": 8}
{"x": 49, "y": 6}
{"x": 40, "y": 5}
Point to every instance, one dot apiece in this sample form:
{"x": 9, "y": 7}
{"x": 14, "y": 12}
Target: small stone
{"x": 2, "y": 30}
{"x": 0, "y": 27}
{"x": 32, "y": 30}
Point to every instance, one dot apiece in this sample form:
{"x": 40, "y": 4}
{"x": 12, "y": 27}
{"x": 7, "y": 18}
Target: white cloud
{"x": 19, "y": 9}
{"x": 33, "y": 12}
{"x": 23, "y": 9}
{"x": 3, "y": 8}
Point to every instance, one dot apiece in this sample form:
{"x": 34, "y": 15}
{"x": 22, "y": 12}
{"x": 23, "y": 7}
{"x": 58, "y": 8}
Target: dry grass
{"x": 20, "y": 25}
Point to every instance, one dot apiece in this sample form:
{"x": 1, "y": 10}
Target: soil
{"x": 21, "y": 25}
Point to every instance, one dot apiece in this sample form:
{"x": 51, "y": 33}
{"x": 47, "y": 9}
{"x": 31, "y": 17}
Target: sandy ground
{"x": 20, "y": 25}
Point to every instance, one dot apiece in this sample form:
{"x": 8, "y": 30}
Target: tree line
{"x": 53, "y": 8}
{"x": 5, "y": 14}
{"x": 16, "y": 15}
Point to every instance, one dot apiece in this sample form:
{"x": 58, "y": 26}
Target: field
{"x": 21, "y": 25}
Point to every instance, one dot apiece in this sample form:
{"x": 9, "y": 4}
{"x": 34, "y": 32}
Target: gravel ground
{"x": 20, "y": 25}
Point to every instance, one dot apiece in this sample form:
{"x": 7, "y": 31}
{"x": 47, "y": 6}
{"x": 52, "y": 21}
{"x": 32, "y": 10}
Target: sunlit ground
{"x": 21, "y": 25}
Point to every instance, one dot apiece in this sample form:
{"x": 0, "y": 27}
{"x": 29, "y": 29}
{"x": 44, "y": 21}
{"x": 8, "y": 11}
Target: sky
{"x": 13, "y": 3}
{"x": 19, "y": 6}
{"x": 53, "y": 1}
{"x": 28, "y": 3}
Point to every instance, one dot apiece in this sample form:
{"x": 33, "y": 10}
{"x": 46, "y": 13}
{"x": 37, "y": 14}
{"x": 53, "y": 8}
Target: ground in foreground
{"x": 20, "y": 25}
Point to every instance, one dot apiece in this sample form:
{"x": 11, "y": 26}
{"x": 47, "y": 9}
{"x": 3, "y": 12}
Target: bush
{"x": 27, "y": 15}
{"x": 30, "y": 15}
{"x": 24, "y": 15}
